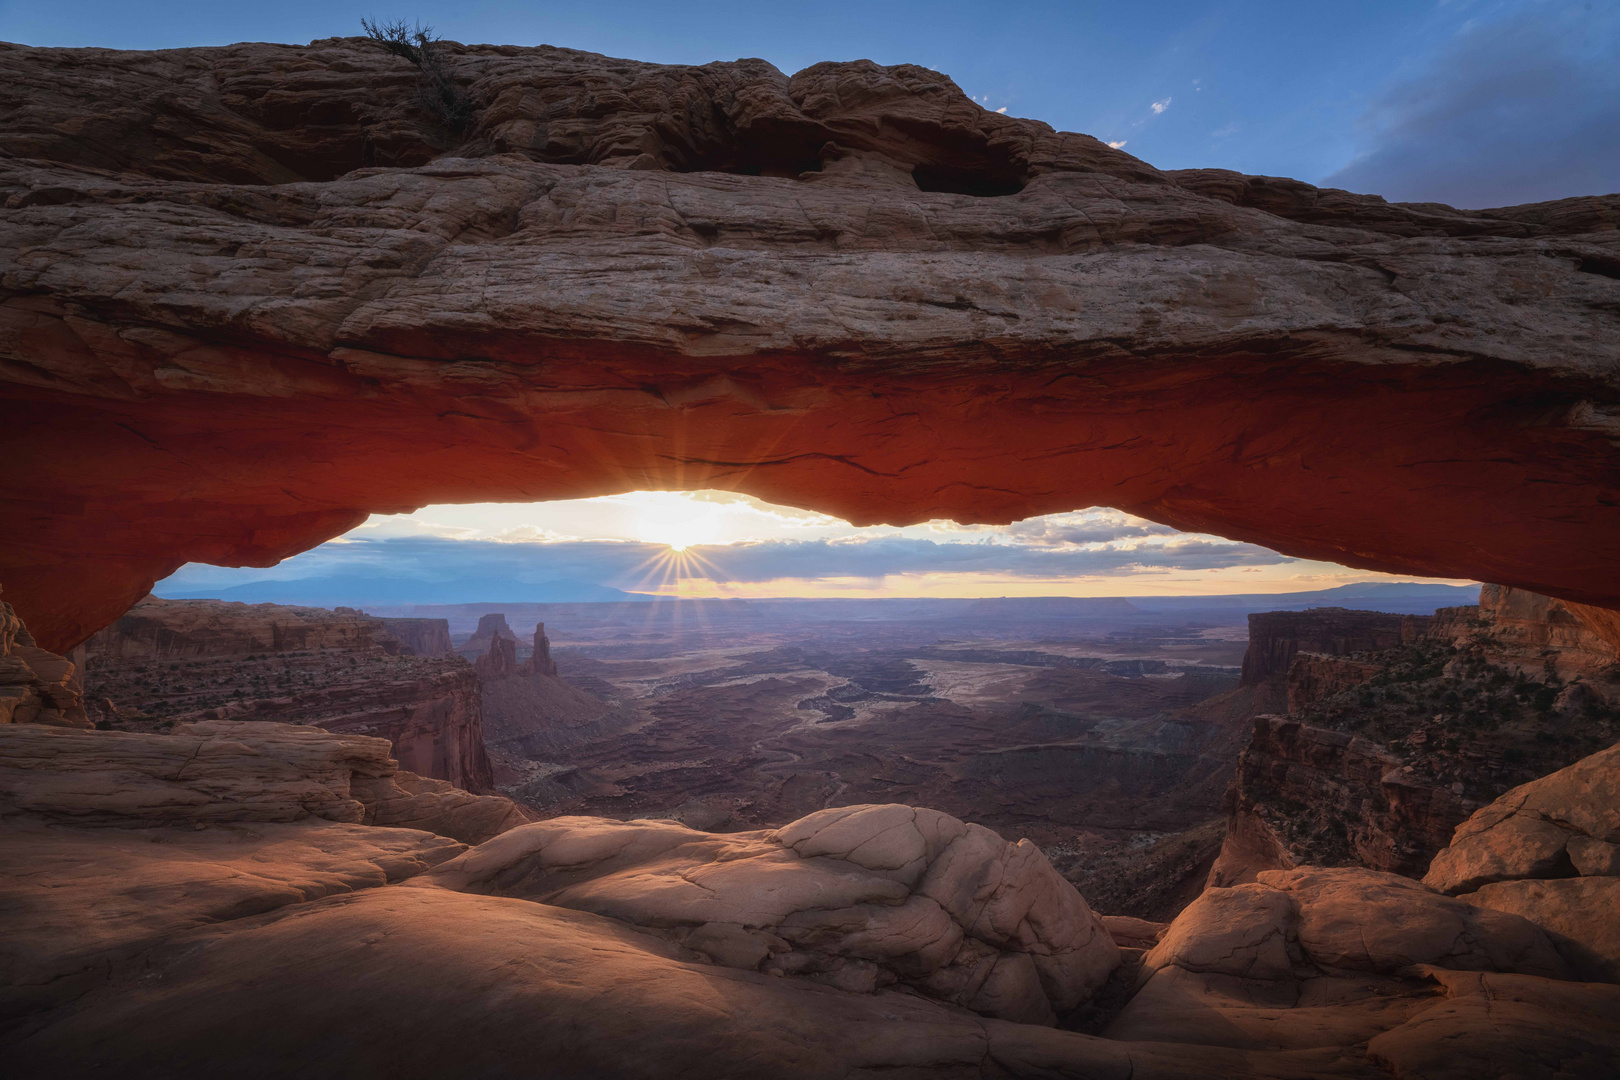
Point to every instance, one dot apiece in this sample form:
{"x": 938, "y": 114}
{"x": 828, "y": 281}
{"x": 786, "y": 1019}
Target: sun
{"x": 676, "y": 520}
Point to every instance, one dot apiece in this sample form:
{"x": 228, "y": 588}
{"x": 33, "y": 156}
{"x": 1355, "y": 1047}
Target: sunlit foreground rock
{"x": 592, "y": 948}
{"x": 1549, "y": 850}
{"x": 223, "y": 771}
{"x": 860, "y": 898}
{"x": 249, "y": 294}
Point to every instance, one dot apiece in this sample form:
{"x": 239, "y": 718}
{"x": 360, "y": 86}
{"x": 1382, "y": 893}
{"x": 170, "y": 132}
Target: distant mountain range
{"x": 493, "y": 593}
{"x": 364, "y": 591}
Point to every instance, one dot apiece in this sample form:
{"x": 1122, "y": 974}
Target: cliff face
{"x": 1384, "y": 752}
{"x": 173, "y": 661}
{"x": 1540, "y": 636}
{"x": 1306, "y": 794}
{"x": 851, "y": 289}
{"x": 424, "y": 637}
{"x": 1276, "y": 637}
{"x": 158, "y": 629}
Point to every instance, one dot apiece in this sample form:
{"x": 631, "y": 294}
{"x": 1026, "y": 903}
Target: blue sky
{"x": 1475, "y": 102}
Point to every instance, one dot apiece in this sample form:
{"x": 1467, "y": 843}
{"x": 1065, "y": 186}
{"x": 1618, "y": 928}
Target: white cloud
{"x": 1118, "y": 144}
{"x": 1003, "y": 109}
{"x": 1223, "y": 132}
{"x": 1159, "y": 106}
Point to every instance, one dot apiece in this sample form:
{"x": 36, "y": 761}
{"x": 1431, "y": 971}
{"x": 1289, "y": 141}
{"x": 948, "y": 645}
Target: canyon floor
{"x": 1103, "y": 730}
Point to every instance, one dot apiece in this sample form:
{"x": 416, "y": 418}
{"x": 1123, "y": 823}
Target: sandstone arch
{"x": 229, "y": 330}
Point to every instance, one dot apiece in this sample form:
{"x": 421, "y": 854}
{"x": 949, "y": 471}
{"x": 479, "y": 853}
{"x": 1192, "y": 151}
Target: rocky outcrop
{"x": 1549, "y": 851}
{"x": 842, "y": 945}
{"x": 231, "y": 771}
{"x": 36, "y": 687}
{"x": 424, "y": 637}
{"x": 83, "y": 902}
{"x": 1312, "y": 677}
{"x": 851, "y": 289}
{"x": 860, "y": 897}
{"x": 1276, "y": 637}
{"x": 157, "y": 629}
{"x": 1376, "y": 965}
{"x": 1305, "y": 794}
{"x": 1386, "y": 751}
{"x": 342, "y": 670}
{"x": 491, "y": 628}
{"x": 1538, "y": 635}
{"x": 498, "y": 661}
{"x": 1539, "y": 829}
{"x": 540, "y": 663}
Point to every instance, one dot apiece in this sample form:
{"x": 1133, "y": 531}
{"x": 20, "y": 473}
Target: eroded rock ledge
{"x": 249, "y": 294}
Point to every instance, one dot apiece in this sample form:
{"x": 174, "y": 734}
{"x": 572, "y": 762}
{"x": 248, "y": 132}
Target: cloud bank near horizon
{"x": 1524, "y": 109}
{"x": 654, "y": 543}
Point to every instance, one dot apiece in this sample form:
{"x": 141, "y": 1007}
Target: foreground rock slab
{"x": 859, "y": 898}
{"x": 231, "y": 771}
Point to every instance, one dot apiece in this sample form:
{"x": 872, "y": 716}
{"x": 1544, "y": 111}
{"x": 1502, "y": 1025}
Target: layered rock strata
{"x": 342, "y": 670}
{"x": 541, "y": 665}
{"x": 852, "y": 289}
{"x": 232, "y": 771}
{"x": 1277, "y": 637}
{"x": 1313, "y": 794}
{"x": 424, "y": 637}
{"x": 498, "y": 661}
{"x": 158, "y": 629}
{"x": 1385, "y": 752}
{"x": 491, "y": 628}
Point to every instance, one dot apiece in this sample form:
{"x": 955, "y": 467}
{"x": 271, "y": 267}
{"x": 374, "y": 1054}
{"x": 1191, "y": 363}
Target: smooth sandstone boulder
{"x": 859, "y": 897}
{"x": 1208, "y": 1009}
{"x": 1527, "y": 832}
{"x": 1504, "y": 1025}
{"x": 1312, "y": 919}
{"x": 1581, "y": 915}
{"x": 1364, "y": 920}
{"x": 76, "y": 902}
{"x": 516, "y": 989}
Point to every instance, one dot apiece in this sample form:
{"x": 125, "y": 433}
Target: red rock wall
{"x": 498, "y": 661}
{"x": 1275, "y": 637}
{"x": 428, "y": 707}
{"x": 424, "y": 637}
{"x": 1301, "y": 791}
{"x": 157, "y": 629}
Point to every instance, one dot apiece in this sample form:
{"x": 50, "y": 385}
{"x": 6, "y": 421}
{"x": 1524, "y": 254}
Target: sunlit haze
{"x": 721, "y": 544}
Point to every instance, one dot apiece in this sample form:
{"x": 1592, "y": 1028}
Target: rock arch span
{"x": 222, "y": 340}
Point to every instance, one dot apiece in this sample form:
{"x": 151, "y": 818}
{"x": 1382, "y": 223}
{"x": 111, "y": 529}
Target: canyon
{"x": 251, "y": 294}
